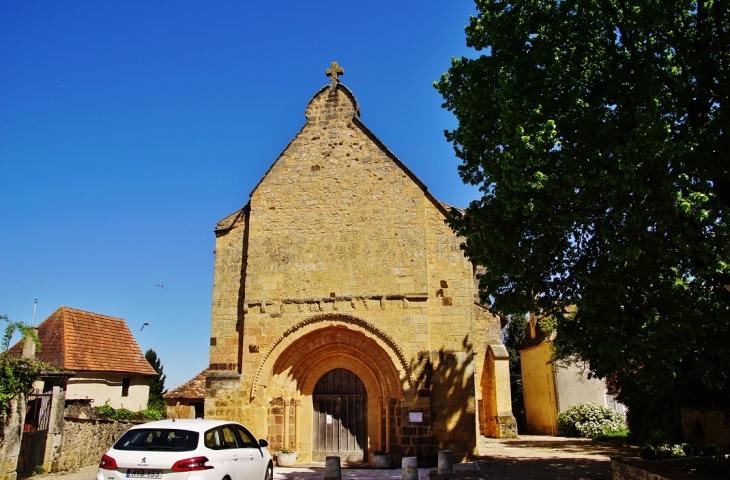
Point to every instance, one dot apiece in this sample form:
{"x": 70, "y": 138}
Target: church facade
{"x": 344, "y": 315}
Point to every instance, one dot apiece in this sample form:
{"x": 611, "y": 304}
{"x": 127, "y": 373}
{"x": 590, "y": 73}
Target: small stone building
{"x": 187, "y": 400}
{"x": 344, "y": 313}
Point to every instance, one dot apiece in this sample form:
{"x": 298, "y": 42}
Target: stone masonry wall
{"x": 85, "y": 441}
{"x": 227, "y": 286}
{"x": 10, "y": 438}
{"x": 335, "y": 215}
{"x": 634, "y": 468}
{"x": 706, "y": 426}
{"x": 338, "y": 226}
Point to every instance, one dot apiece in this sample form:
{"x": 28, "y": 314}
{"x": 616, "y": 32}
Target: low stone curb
{"x": 636, "y": 468}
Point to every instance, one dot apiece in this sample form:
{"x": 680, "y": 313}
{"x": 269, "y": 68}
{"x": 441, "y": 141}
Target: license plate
{"x": 141, "y": 473}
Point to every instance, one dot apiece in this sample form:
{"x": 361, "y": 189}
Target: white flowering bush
{"x": 589, "y": 420}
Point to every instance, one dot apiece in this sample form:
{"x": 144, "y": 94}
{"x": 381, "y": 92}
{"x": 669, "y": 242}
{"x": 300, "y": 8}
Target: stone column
{"x": 385, "y": 405}
{"x": 286, "y": 441}
{"x": 13, "y": 433}
{"x": 54, "y": 440}
{"x": 297, "y": 428}
{"x": 505, "y": 424}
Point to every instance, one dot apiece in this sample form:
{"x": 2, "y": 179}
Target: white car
{"x": 187, "y": 450}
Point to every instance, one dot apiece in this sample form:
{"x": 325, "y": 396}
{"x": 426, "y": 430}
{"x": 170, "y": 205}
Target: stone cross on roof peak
{"x": 333, "y": 72}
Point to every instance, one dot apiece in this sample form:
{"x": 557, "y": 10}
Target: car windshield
{"x": 147, "y": 439}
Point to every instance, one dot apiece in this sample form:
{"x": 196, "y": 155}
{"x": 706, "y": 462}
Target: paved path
{"x": 305, "y": 472}
{"x": 86, "y": 473}
{"x": 316, "y": 471}
{"x": 545, "y": 458}
{"x": 528, "y": 458}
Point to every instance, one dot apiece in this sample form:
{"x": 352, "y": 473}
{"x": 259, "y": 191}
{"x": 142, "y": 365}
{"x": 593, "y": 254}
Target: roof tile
{"x": 192, "y": 389}
{"x": 83, "y": 341}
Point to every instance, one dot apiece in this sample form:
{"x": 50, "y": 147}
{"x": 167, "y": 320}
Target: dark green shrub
{"x": 662, "y": 452}
{"x": 700, "y": 450}
{"x": 106, "y": 410}
{"x": 123, "y": 414}
{"x": 153, "y": 414}
{"x": 620, "y": 437}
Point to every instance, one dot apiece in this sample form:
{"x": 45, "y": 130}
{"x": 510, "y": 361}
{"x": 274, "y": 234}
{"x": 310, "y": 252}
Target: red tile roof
{"x": 192, "y": 389}
{"x": 88, "y": 342}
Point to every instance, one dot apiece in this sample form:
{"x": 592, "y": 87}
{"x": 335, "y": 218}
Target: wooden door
{"x": 35, "y": 433}
{"x": 340, "y": 417}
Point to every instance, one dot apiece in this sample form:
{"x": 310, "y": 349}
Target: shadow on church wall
{"x": 445, "y": 395}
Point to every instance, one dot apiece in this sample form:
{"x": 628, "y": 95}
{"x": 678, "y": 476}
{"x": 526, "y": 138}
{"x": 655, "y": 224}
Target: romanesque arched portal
{"x": 302, "y": 368}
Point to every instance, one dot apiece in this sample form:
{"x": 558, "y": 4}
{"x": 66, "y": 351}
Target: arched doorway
{"x": 292, "y": 368}
{"x": 340, "y": 417}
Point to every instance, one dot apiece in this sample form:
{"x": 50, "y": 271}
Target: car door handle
{"x": 234, "y": 457}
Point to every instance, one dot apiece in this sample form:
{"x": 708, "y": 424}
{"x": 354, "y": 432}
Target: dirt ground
{"x": 544, "y": 458}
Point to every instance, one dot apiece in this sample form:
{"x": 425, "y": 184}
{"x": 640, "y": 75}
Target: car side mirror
{"x": 263, "y": 443}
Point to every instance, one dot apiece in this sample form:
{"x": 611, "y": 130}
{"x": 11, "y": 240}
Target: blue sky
{"x": 128, "y": 129}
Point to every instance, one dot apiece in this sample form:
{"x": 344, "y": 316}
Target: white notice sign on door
{"x": 329, "y": 419}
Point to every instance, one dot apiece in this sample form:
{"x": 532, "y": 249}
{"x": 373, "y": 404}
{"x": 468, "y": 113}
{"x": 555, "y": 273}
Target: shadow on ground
{"x": 576, "y": 446}
{"x": 539, "y": 468}
{"x": 542, "y": 457}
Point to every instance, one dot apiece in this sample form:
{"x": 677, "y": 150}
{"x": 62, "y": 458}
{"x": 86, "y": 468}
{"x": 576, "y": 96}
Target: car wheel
{"x": 269, "y": 472}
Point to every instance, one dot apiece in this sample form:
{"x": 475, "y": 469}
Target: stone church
{"x": 345, "y": 319}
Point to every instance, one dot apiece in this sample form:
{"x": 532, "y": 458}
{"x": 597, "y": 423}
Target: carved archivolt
{"x": 328, "y": 320}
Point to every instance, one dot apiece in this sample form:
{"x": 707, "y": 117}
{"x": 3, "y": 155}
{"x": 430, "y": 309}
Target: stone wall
{"x": 706, "y": 426}
{"x": 342, "y": 259}
{"x": 85, "y": 440}
{"x": 637, "y": 469}
{"x": 12, "y": 433}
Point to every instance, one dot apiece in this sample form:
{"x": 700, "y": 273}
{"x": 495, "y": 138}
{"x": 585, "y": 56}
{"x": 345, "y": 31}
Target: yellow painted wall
{"x": 550, "y": 390}
{"x": 101, "y": 388}
{"x": 538, "y": 383}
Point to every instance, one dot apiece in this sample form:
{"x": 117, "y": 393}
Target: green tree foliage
{"x": 597, "y": 131}
{"x": 157, "y": 386}
{"x": 17, "y": 375}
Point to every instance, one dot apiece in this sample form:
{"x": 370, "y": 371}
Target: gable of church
{"x": 340, "y": 215}
{"x": 341, "y": 261}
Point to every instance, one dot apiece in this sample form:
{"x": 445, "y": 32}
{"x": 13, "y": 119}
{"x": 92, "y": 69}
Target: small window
{"x": 229, "y": 437}
{"x": 212, "y": 439}
{"x": 149, "y": 439}
{"x": 247, "y": 440}
{"x": 125, "y": 387}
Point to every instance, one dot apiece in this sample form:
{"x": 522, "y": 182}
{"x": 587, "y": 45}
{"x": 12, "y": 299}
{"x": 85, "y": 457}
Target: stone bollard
{"x": 332, "y": 469}
{"x": 410, "y": 468}
{"x": 446, "y": 464}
